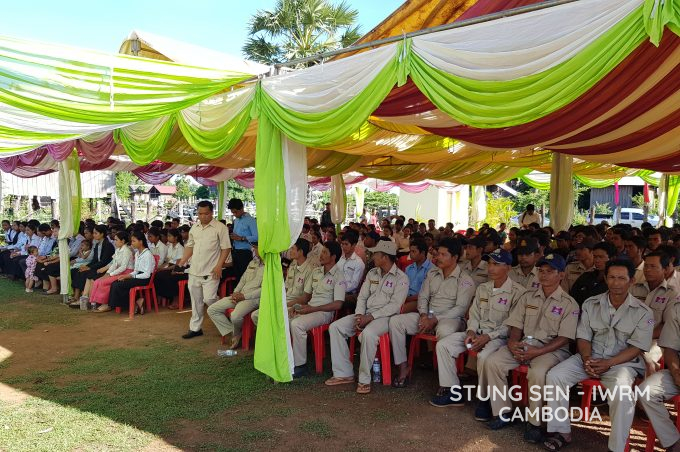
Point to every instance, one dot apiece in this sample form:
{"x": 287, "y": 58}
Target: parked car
{"x": 635, "y": 217}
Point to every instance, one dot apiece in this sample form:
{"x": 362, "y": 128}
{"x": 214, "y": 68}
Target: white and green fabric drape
{"x": 69, "y": 214}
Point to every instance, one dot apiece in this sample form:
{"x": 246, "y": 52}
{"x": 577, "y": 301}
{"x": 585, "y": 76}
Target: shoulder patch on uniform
{"x": 576, "y": 313}
{"x": 466, "y": 283}
{"x": 660, "y": 300}
{"x": 651, "y": 322}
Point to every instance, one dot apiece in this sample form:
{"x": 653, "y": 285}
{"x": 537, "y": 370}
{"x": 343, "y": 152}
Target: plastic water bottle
{"x": 84, "y": 303}
{"x": 226, "y": 353}
{"x": 430, "y": 314}
{"x": 377, "y": 376}
{"x": 529, "y": 340}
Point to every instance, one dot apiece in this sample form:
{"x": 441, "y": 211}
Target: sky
{"x": 103, "y": 25}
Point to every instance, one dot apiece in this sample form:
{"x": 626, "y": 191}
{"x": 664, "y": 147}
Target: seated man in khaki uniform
{"x": 299, "y": 272}
{"x": 526, "y": 272}
{"x": 244, "y": 300}
{"x": 486, "y": 332}
{"x": 613, "y": 330}
{"x": 381, "y": 296}
{"x": 324, "y": 294}
{"x": 656, "y": 293}
{"x": 474, "y": 265}
{"x": 547, "y": 315}
{"x": 585, "y": 262}
{"x": 665, "y": 384}
{"x": 442, "y": 304}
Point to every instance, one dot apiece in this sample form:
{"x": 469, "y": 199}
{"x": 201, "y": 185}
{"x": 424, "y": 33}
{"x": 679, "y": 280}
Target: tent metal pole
{"x": 426, "y": 31}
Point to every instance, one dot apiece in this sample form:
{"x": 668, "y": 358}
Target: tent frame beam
{"x": 426, "y": 31}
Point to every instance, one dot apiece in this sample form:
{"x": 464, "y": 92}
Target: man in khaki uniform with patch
{"x": 656, "y": 293}
{"x": 613, "y": 330}
{"x": 584, "y": 263}
{"x": 550, "y": 317}
{"x": 208, "y": 247}
{"x": 442, "y": 305}
{"x": 244, "y": 300}
{"x": 486, "y": 332}
{"x": 298, "y": 274}
{"x": 474, "y": 265}
{"x": 526, "y": 273}
{"x": 381, "y": 296}
{"x": 665, "y": 384}
{"x": 324, "y": 294}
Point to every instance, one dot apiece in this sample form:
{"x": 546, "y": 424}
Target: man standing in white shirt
{"x": 529, "y": 216}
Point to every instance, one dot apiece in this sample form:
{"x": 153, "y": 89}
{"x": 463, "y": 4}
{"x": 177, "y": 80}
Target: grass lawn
{"x": 76, "y": 381}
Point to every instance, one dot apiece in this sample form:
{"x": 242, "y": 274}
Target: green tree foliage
{"x": 184, "y": 190}
{"x": 372, "y": 200}
{"x": 124, "y": 180}
{"x": 639, "y": 202}
{"x": 499, "y": 209}
{"x": 234, "y": 190}
{"x": 300, "y": 28}
{"x": 203, "y": 192}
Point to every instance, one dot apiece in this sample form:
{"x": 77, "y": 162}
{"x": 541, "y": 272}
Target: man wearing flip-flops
{"x": 442, "y": 304}
{"x": 381, "y": 296}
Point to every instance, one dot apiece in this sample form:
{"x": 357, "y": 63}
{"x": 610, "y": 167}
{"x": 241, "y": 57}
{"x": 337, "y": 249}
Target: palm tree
{"x": 300, "y": 28}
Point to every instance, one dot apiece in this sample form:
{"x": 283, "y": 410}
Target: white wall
{"x": 440, "y": 204}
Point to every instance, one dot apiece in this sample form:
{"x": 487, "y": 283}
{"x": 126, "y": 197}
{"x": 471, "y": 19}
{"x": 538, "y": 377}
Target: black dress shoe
{"x": 191, "y": 334}
{"x": 300, "y": 371}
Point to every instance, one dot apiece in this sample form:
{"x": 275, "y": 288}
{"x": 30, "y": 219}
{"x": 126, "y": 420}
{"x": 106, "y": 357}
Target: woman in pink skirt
{"x": 121, "y": 264}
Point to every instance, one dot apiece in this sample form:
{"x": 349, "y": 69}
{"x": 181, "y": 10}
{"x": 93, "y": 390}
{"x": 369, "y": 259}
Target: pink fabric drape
{"x": 154, "y": 173}
{"x": 98, "y": 151}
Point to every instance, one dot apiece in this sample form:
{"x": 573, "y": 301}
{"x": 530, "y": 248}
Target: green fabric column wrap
{"x": 221, "y": 210}
{"x": 672, "y": 195}
{"x": 271, "y": 343}
{"x": 69, "y": 213}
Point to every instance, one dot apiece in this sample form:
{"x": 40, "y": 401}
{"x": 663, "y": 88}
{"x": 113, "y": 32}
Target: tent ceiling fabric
{"x": 477, "y": 105}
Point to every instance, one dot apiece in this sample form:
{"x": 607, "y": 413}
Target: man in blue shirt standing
{"x": 245, "y": 232}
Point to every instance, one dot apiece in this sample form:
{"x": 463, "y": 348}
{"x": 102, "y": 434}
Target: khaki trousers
{"x": 255, "y": 316}
{"x": 449, "y": 348}
{"x": 203, "y": 292}
{"x": 299, "y": 326}
{"x": 234, "y": 322}
{"x": 621, "y": 408}
{"x": 496, "y": 370}
{"x": 403, "y": 324}
{"x": 340, "y": 331}
{"x": 661, "y": 388}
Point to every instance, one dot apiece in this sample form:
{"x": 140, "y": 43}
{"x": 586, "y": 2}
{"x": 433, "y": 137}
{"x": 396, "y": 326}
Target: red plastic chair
{"x": 518, "y": 377}
{"x": 148, "y": 292}
{"x": 383, "y": 354}
{"x": 319, "y": 342}
{"x": 414, "y": 350}
{"x": 227, "y": 286}
{"x": 403, "y": 262}
{"x": 182, "y": 288}
{"x": 247, "y": 330}
{"x": 588, "y": 385}
{"x": 651, "y": 434}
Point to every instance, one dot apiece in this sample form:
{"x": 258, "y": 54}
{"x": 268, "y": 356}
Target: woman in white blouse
{"x": 157, "y": 247}
{"x": 145, "y": 265}
{"x": 167, "y": 279}
{"x": 121, "y": 264}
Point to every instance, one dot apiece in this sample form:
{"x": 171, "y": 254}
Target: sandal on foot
{"x": 555, "y": 443}
{"x": 400, "y": 383}
{"x": 335, "y": 381}
{"x": 363, "y": 388}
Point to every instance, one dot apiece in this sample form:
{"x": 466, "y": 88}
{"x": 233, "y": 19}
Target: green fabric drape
{"x": 221, "y": 193}
{"x": 659, "y": 14}
{"x": 326, "y": 128}
{"x": 497, "y": 104}
{"x": 213, "y": 144}
{"x": 145, "y": 142}
{"x": 271, "y": 352}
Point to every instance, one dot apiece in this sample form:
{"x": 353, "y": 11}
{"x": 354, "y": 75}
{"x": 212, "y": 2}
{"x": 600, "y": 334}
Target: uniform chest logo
{"x": 535, "y": 285}
{"x": 503, "y": 301}
{"x": 389, "y": 284}
{"x": 556, "y": 310}
{"x": 301, "y": 280}
{"x": 329, "y": 281}
{"x": 660, "y": 300}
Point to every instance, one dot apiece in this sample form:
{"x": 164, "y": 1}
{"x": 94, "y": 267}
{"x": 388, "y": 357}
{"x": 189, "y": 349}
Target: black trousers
{"x": 241, "y": 259}
{"x": 120, "y": 292}
{"x": 166, "y": 283}
{"x": 45, "y": 271}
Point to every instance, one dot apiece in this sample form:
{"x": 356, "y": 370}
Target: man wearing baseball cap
{"x": 526, "y": 272}
{"x": 549, "y": 316}
{"x": 474, "y": 263}
{"x": 381, "y": 296}
{"x": 485, "y": 334}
